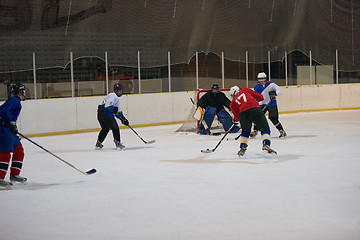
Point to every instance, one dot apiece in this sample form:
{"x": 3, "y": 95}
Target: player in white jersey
{"x": 106, "y": 113}
{"x": 269, "y": 90}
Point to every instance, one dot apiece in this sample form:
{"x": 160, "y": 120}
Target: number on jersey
{"x": 241, "y": 99}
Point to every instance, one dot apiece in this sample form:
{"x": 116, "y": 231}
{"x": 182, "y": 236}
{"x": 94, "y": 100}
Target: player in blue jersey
{"x": 269, "y": 90}
{"x": 106, "y": 113}
{"x": 9, "y": 141}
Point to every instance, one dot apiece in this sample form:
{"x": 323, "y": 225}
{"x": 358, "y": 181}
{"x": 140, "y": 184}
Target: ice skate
{"x": 282, "y": 134}
{"x": 253, "y": 133}
{"x": 242, "y": 149}
{"x": 119, "y": 145}
{"x": 18, "y": 178}
{"x": 266, "y": 148}
{"x": 5, "y": 184}
{"x": 98, "y": 145}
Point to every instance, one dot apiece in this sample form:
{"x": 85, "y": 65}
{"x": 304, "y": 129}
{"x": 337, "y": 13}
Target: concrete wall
{"x": 72, "y": 114}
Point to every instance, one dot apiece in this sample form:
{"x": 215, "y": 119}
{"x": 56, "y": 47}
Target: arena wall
{"x": 72, "y": 115}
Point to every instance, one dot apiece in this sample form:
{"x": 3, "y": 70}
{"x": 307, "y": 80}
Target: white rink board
{"x": 69, "y": 114}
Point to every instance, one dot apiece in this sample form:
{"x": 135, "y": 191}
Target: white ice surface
{"x": 170, "y": 190}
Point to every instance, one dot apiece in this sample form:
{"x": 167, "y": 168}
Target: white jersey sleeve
{"x": 277, "y": 89}
{"x": 271, "y": 87}
{"x": 112, "y": 100}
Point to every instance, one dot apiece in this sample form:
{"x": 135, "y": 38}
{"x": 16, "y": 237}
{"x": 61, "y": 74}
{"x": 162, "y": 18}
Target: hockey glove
{"x": 116, "y": 109}
{"x": 198, "y": 113}
{"x": 13, "y": 128}
{"x": 272, "y": 95}
{"x": 124, "y": 121}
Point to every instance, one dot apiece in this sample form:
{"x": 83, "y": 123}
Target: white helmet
{"x": 234, "y": 90}
{"x": 261, "y": 76}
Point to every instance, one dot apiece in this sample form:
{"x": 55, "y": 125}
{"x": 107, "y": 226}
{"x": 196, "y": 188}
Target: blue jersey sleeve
{"x": 10, "y": 111}
{"x": 258, "y": 88}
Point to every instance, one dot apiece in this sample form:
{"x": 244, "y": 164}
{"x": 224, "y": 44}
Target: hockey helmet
{"x": 215, "y": 89}
{"x": 18, "y": 88}
{"x": 215, "y": 86}
{"x": 234, "y": 90}
{"x": 261, "y": 76}
{"x": 118, "y": 87}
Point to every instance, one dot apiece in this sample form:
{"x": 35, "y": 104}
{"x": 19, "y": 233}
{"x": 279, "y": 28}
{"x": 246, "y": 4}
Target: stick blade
{"x": 92, "y": 171}
{"x": 207, "y": 151}
{"x": 215, "y": 133}
{"x": 150, "y": 142}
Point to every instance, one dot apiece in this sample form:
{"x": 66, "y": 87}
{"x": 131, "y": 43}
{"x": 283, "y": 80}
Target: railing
{"x": 80, "y": 78}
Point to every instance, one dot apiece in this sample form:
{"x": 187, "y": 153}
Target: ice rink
{"x": 170, "y": 190}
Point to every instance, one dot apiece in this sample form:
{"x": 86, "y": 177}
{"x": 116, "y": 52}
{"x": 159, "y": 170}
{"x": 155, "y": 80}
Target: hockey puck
{"x": 206, "y": 151}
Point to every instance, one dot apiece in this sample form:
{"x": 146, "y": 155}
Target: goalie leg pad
{"x": 209, "y": 115}
{"x": 227, "y": 121}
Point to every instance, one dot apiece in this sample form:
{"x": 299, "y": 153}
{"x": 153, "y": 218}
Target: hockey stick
{"x": 146, "y": 142}
{"x": 92, "y": 171}
{"x": 213, "y": 150}
{"x": 235, "y": 138}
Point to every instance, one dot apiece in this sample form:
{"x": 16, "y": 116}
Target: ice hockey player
{"x": 246, "y": 109}
{"x": 106, "y": 113}
{"x": 213, "y": 102}
{"x": 9, "y": 141}
{"x": 269, "y": 90}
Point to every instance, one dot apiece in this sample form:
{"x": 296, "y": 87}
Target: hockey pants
{"x": 273, "y": 117}
{"x": 256, "y": 116}
{"x": 106, "y": 124}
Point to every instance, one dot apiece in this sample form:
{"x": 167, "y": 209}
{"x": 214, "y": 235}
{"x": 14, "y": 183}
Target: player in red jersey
{"x": 246, "y": 109}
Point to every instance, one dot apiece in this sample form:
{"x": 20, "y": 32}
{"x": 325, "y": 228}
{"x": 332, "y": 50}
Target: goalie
{"x": 210, "y": 104}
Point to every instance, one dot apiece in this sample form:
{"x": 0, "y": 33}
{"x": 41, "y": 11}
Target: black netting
{"x": 53, "y": 28}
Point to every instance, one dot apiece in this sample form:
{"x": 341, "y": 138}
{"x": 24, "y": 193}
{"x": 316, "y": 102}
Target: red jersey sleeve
{"x": 235, "y": 110}
{"x": 256, "y": 95}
